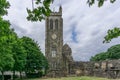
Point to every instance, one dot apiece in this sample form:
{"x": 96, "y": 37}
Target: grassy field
{"x": 75, "y": 78}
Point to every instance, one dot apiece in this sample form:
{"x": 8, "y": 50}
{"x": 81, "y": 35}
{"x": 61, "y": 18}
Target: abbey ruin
{"x": 60, "y": 59}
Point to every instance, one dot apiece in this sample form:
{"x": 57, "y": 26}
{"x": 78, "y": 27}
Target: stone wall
{"x": 107, "y": 68}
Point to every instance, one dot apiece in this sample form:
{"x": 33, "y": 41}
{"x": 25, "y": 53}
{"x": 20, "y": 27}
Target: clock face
{"x": 54, "y": 36}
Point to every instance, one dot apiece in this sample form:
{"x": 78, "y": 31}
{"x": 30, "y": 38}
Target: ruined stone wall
{"x": 107, "y": 68}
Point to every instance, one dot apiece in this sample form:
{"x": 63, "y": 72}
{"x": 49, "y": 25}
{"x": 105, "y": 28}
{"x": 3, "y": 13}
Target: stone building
{"x": 107, "y": 68}
{"x": 57, "y": 55}
{"x": 60, "y": 58}
{"x": 67, "y": 58}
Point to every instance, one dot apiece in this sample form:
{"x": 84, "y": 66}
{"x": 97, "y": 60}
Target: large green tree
{"x": 112, "y": 53}
{"x": 6, "y": 41}
{"x": 99, "y": 57}
{"x": 13, "y": 50}
{"x": 19, "y": 55}
{"x": 6, "y": 57}
{"x": 35, "y": 61}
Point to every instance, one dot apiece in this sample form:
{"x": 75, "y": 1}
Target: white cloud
{"x": 90, "y": 23}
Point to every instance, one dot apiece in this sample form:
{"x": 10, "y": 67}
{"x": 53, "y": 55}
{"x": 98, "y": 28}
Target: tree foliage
{"x": 23, "y": 53}
{"x": 35, "y": 60}
{"x": 6, "y": 38}
{"x": 100, "y": 56}
{"x": 112, "y": 53}
{"x": 112, "y": 33}
{"x": 100, "y": 2}
{"x": 6, "y": 41}
{"x": 15, "y": 51}
{"x": 39, "y": 13}
{"x": 19, "y": 55}
{"x": 4, "y": 5}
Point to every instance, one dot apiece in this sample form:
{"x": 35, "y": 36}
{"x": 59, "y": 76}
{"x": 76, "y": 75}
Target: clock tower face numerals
{"x": 54, "y": 36}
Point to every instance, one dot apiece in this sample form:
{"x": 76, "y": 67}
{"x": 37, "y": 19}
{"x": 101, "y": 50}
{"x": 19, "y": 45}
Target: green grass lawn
{"x": 75, "y": 78}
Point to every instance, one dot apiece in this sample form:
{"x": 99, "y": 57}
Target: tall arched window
{"x": 51, "y": 24}
{"x": 56, "y": 24}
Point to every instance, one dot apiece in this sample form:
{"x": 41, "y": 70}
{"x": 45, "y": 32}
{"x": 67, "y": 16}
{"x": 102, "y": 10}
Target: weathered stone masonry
{"x": 60, "y": 58}
{"x": 107, "y": 68}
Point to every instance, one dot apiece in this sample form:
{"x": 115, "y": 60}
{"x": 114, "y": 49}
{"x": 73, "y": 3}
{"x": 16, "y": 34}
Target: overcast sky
{"x": 84, "y": 26}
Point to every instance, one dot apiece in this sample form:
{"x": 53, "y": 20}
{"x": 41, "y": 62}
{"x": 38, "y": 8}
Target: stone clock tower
{"x": 54, "y": 43}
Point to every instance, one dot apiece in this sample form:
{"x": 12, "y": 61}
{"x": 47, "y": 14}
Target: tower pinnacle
{"x": 60, "y": 9}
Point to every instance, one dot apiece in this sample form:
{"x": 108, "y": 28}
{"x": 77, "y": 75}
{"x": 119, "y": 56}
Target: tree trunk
{"x": 20, "y": 75}
{"x": 14, "y": 75}
{"x": 2, "y": 75}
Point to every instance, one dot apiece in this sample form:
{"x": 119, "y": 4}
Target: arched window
{"x": 56, "y": 24}
{"x": 51, "y": 24}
